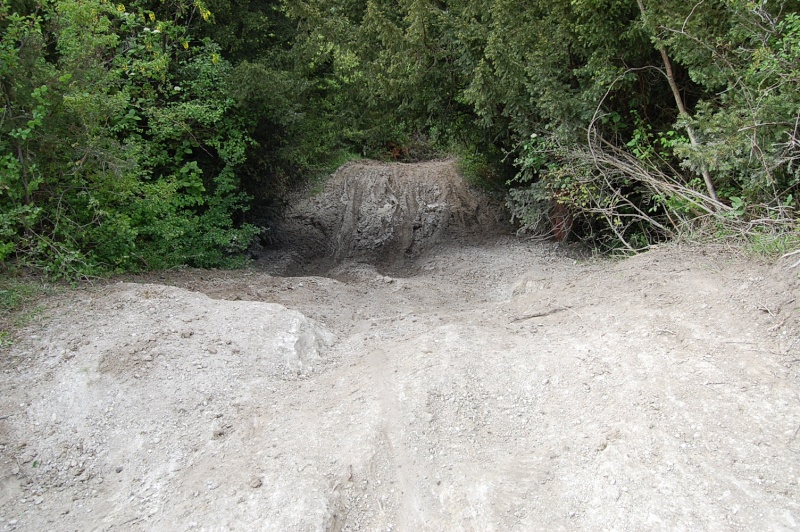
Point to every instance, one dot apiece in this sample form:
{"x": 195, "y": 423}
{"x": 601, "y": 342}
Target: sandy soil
{"x": 477, "y": 384}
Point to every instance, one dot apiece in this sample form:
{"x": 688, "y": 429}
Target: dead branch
{"x": 541, "y": 314}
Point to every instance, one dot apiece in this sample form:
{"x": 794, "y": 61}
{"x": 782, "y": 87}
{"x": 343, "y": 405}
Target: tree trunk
{"x": 676, "y": 93}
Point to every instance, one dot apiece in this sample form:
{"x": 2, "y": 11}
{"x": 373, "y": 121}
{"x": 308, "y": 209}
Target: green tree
{"x": 133, "y": 144}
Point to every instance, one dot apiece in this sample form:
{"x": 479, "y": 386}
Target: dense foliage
{"x": 630, "y": 118}
{"x": 119, "y": 149}
{"x": 152, "y": 134}
{"x": 129, "y": 140}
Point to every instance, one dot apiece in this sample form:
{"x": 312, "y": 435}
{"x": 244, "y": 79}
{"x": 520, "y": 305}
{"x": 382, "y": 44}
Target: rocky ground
{"x": 434, "y": 373}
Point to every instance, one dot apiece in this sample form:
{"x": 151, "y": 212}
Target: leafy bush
{"x": 120, "y": 150}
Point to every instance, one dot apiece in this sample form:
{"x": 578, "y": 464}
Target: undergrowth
{"x": 773, "y": 245}
{"x": 317, "y": 179}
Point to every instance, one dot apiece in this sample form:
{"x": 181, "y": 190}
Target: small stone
{"x": 118, "y": 469}
{"x": 256, "y": 482}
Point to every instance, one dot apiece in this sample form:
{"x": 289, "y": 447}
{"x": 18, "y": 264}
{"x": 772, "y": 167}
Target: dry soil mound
{"x": 385, "y": 214}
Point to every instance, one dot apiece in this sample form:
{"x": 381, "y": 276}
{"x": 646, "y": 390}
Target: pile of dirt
{"x": 498, "y": 384}
{"x": 384, "y": 214}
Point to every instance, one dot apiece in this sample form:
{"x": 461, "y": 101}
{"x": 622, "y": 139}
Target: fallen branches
{"x": 792, "y": 254}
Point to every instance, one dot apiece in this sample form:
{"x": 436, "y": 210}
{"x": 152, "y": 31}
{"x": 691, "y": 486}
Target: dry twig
{"x": 541, "y": 313}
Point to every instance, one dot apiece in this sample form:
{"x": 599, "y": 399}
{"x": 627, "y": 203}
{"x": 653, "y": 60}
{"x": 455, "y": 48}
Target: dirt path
{"x": 500, "y": 385}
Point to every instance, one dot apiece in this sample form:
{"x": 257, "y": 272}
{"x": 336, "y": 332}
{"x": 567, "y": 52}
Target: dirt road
{"x": 494, "y": 384}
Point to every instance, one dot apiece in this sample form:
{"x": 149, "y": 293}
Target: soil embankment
{"x": 383, "y": 214}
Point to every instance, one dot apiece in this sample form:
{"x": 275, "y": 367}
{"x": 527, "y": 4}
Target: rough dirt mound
{"x": 386, "y": 214}
{"x": 177, "y": 358}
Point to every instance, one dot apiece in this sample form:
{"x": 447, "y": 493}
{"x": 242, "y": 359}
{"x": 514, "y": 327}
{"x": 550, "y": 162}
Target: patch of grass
{"x": 315, "y": 184}
{"x": 773, "y": 244}
{"x": 14, "y": 293}
{"x": 19, "y": 304}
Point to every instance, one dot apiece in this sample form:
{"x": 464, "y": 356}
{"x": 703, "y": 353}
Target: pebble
{"x": 256, "y": 482}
